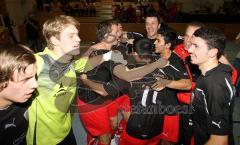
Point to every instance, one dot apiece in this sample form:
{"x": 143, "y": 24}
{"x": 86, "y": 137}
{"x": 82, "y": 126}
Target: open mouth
{"x": 150, "y": 31}
{"x": 76, "y": 46}
{"x": 29, "y": 93}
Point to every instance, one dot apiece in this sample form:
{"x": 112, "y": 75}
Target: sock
{"x": 90, "y": 139}
{"x": 113, "y": 131}
{"x": 122, "y": 125}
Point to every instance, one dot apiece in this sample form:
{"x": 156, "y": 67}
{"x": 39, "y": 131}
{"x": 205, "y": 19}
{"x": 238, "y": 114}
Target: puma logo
{"x": 10, "y": 124}
{"x": 217, "y": 124}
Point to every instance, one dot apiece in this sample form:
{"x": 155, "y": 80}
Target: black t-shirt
{"x": 148, "y": 106}
{"x": 145, "y": 121}
{"x": 135, "y": 36}
{"x": 211, "y": 102}
{"x": 175, "y": 71}
{"x": 152, "y": 40}
{"x": 102, "y": 74}
{"x": 13, "y": 125}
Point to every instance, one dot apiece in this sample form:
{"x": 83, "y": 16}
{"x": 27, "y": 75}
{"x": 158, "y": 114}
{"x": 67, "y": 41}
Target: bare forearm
{"x": 126, "y": 74}
{"x": 217, "y": 140}
{"x": 183, "y": 84}
{"x": 87, "y": 52}
{"x": 94, "y": 86}
{"x": 95, "y": 61}
{"x": 115, "y": 56}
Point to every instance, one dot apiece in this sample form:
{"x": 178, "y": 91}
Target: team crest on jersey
{"x": 63, "y": 97}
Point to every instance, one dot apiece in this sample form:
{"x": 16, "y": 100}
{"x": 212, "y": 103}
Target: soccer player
{"x": 146, "y": 127}
{"x": 17, "y": 84}
{"x": 49, "y": 113}
{"x": 184, "y": 97}
{"x": 214, "y": 90}
{"x": 97, "y": 121}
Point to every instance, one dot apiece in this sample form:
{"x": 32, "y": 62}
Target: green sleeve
{"x": 82, "y": 65}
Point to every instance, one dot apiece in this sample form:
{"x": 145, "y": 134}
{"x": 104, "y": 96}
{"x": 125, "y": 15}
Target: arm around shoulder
{"x": 126, "y": 74}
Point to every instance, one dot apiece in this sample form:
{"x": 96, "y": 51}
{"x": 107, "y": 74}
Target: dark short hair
{"x": 196, "y": 24}
{"x": 144, "y": 47}
{"x": 169, "y": 35}
{"x": 154, "y": 14}
{"x": 104, "y": 27}
{"x": 214, "y": 38}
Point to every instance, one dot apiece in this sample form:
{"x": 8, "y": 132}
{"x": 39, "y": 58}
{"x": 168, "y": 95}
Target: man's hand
{"x": 160, "y": 84}
{"x": 83, "y": 76}
{"x": 115, "y": 56}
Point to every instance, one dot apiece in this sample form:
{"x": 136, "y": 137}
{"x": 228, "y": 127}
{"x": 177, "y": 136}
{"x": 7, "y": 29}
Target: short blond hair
{"x": 13, "y": 57}
{"x": 55, "y": 25}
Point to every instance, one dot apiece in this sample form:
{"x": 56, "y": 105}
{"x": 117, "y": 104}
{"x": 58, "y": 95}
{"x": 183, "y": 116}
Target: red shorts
{"x": 113, "y": 109}
{"x": 170, "y": 128}
{"x": 125, "y": 139}
{"x": 96, "y": 119}
{"x": 121, "y": 103}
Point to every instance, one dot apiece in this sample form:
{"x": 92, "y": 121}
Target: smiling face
{"x": 152, "y": 25}
{"x": 21, "y": 86}
{"x": 112, "y": 37}
{"x": 188, "y": 35}
{"x": 69, "y": 41}
{"x": 199, "y": 51}
{"x": 159, "y": 44}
